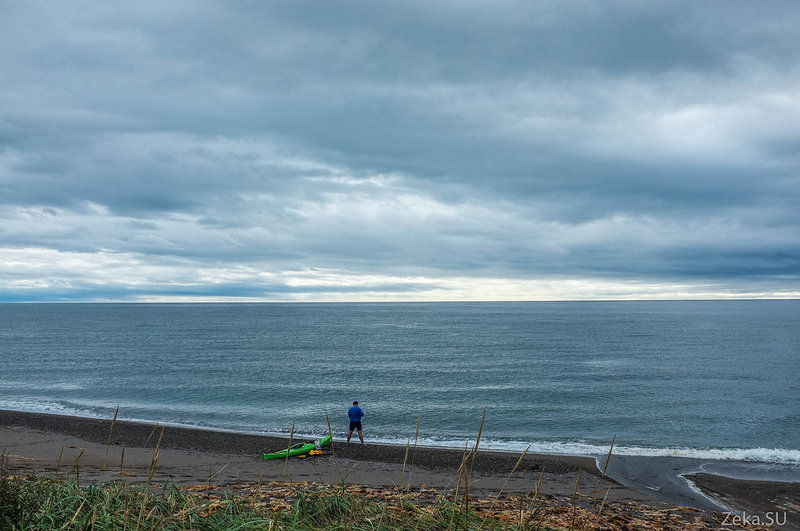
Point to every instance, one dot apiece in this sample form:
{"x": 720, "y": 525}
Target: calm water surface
{"x": 695, "y": 379}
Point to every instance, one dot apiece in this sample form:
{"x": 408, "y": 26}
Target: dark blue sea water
{"x": 702, "y": 379}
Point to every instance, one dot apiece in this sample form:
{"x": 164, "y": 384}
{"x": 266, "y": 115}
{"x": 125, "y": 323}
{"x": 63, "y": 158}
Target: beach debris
{"x": 579, "y": 512}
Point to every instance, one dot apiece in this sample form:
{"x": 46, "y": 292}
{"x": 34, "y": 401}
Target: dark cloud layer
{"x": 311, "y": 151}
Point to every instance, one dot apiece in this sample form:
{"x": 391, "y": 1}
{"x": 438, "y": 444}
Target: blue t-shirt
{"x": 355, "y": 413}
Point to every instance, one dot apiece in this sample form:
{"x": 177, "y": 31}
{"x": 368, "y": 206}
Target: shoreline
{"x": 45, "y": 443}
{"x": 24, "y": 429}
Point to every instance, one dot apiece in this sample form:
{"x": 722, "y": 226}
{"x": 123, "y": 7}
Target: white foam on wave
{"x": 98, "y": 406}
{"x": 37, "y": 405}
{"x": 760, "y": 455}
{"x": 768, "y": 455}
{"x": 34, "y": 405}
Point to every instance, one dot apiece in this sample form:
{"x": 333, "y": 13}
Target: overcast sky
{"x": 469, "y": 150}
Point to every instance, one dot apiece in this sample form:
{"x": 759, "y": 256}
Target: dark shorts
{"x": 355, "y": 425}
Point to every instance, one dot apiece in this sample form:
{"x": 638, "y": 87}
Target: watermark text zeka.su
{"x": 745, "y": 519}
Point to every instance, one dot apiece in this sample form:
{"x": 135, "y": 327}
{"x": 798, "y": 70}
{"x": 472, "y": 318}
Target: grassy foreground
{"x": 50, "y": 502}
{"x": 53, "y": 503}
{"x": 62, "y": 502}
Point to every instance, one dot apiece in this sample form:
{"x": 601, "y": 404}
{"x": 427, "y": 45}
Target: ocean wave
{"x": 37, "y": 405}
{"x": 15, "y": 385}
{"x": 766, "y": 455}
{"x": 761, "y": 455}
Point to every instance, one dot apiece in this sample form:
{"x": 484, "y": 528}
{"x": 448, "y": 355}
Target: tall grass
{"x": 108, "y": 443}
{"x": 405, "y": 457}
{"x": 53, "y": 503}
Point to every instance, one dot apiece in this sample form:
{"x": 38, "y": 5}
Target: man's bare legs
{"x": 360, "y": 436}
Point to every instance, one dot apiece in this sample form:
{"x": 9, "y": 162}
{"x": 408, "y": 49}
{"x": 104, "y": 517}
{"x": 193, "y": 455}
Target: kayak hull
{"x": 298, "y": 449}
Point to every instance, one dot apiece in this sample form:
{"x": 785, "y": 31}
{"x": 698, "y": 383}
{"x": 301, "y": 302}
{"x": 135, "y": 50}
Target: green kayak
{"x": 299, "y": 448}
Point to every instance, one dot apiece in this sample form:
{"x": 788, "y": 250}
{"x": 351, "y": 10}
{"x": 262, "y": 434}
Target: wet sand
{"x": 776, "y": 499}
{"x": 43, "y": 443}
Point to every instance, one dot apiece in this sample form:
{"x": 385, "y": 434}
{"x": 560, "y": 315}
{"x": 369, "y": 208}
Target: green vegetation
{"x": 51, "y": 503}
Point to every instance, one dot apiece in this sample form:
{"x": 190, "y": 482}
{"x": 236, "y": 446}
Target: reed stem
{"x": 286, "y": 462}
{"x": 108, "y": 443}
{"x": 413, "y": 451}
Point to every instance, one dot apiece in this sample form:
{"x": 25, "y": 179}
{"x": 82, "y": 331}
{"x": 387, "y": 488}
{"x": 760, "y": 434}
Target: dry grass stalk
{"x": 330, "y": 432}
{"x": 405, "y": 459}
{"x": 472, "y": 463}
{"x": 521, "y": 510}
{"x": 151, "y": 434}
{"x": 602, "y": 505}
{"x": 413, "y": 450}
{"x": 539, "y": 485}
{"x": 75, "y": 516}
{"x": 154, "y": 460}
{"x": 286, "y": 462}
{"x": 416, "y": 439}
{"x": 78, "y": 468}
{"x": 380, "y": 520}
{"x": 461, "y": 469}
{"x": 153, "y": 463}
{"x": 574, "y": 496}
{"x": 603, "y": 476}
{"x": 108, "y": 443}
{"x": 516, "y": 466}
{"x": 608, "y": 457}
{"x": 333, "y": 451}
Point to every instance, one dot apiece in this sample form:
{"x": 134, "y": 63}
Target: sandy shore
{"x": 40, "y": 443}
{"x": 35, "y": 442}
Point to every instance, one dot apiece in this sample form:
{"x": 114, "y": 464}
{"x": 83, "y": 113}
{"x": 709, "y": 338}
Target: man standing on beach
{"x": 355, "y": 413}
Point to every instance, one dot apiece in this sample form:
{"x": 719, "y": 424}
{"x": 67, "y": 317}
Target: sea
{"x": 691, "y": 379}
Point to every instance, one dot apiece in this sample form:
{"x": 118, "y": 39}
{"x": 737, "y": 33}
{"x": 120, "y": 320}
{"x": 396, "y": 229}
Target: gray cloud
{"x": 223, "y": 150}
